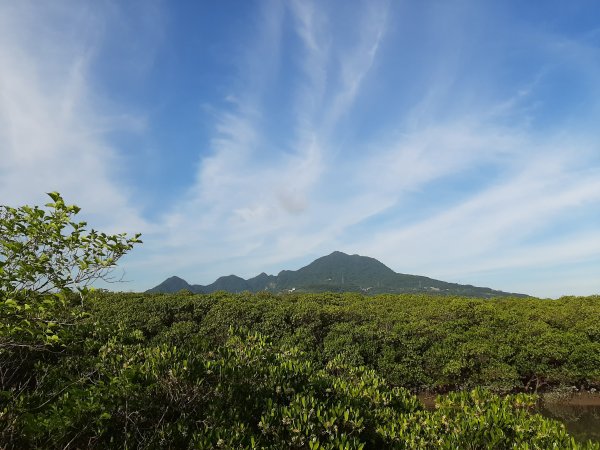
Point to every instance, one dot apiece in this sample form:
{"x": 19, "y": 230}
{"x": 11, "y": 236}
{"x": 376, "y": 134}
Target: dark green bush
{"x": 251, "y": 394}
{"x": 416, "y": 341}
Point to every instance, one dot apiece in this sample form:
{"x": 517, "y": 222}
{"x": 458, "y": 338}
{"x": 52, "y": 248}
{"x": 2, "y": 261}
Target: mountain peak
{"x": 171, "y": 284}
{"x": 337, "y": 271}
{"x": 175, "y": 278}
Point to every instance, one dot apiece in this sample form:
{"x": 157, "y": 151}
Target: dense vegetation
{"x": 419, "y": 342}
{"x": 80, "y": 369}
{"x": 168, "y": 370}
{"x": 156, "y": 371}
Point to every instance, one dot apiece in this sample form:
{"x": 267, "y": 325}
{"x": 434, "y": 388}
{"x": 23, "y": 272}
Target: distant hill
{"x": 172, "y": 284}
{"x": 337, "y": 272}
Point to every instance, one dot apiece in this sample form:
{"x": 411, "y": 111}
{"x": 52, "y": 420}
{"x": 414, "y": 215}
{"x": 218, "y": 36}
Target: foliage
{"x": 44, "y": 256}
{"x": 153, "y": 371}
{"x": 249, "y": 393}
{"x": 327, "y": 371}
{"x": 417, "y": 341}
{"x": 46, "y": 251}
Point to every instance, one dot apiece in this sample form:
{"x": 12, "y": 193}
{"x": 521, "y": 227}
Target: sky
{"x": 458, "y": 140}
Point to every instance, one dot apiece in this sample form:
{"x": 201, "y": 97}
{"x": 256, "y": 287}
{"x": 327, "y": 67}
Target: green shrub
{"x": 249, "y": 393}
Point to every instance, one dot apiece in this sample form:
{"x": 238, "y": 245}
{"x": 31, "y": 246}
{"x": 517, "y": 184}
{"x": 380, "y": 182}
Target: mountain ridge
{"x": 336, "y": 272}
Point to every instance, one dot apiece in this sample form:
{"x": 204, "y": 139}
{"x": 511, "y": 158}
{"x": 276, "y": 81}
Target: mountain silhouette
{"x": 337, "y": 272}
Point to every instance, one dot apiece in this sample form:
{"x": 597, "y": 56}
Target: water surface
{"x": 580, "y": 413}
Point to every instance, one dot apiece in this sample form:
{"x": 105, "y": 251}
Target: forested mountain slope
{"x": 337, "y": 272}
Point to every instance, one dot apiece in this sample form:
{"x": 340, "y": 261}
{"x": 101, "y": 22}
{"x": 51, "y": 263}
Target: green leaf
{"x": 55, "y": 196}
{"x": 12, "y": 304}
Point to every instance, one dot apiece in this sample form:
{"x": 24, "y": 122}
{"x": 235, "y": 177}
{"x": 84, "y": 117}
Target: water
{"x": 580, "y": 414}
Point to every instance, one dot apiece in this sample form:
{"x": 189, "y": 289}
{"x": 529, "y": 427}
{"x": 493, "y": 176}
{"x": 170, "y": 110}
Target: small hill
{"x": 172, "y": 284}
{"x": 337, "y": 272}
{"x": 231, "y": 283}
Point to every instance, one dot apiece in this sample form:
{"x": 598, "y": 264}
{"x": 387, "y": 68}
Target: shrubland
{"x": 420, "y": 342}
{"x": 112, "y": 388}
{"x": 87, "y": 369}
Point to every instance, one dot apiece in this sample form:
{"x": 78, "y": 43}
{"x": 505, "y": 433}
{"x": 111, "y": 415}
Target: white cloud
{"x": 356, "y": 64}
{"x": 52, "y": 136}
{"x": 247, "y": 203}
{"x": 254, "y": 210}
{"x": 265, "y": 197}
{"x": 495, "y": 229}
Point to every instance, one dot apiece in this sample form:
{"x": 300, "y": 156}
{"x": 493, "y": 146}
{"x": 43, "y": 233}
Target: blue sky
{"x": 454, "y": 139}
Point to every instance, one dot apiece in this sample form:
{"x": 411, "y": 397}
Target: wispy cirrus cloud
{"x": 53, "y": 134}
{"x": 246, "y": 192}
{"x": 453, "y": 140}
{"x": 502, "y": 180}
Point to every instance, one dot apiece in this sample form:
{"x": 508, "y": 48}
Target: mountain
{"x": 172, "y": 284}
{"x": 337, "y": 272}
